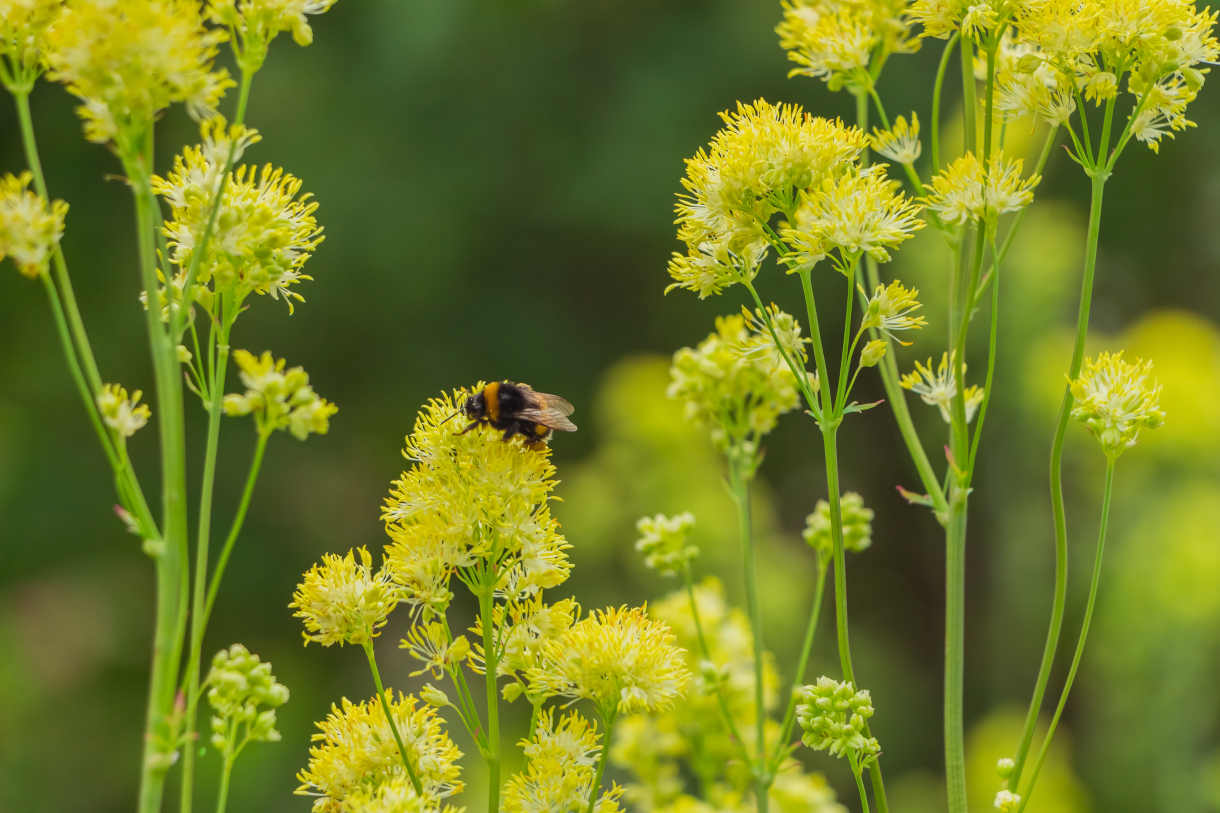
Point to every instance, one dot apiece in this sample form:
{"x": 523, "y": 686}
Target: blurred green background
{"x": 496, "y": 181}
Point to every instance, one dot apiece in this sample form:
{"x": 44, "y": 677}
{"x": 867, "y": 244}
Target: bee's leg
{"x": 510, "y": 431}
{"x": 472, "y": 425}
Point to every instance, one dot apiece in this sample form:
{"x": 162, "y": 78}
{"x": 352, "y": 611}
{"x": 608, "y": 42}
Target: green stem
{"x": 171, "y": 562}
{"x": 955, "y": 590}
{"x": 1056, "y": 483}
{"x": 740, "y": 486}
{"x": 969, "y": 100}
{"x": 492, "y": 662}
{"x": 802, "y": 662}
{"x": 402, "y": 749}
{"x": 815, "y": 336}
{"x": 991, "y": 359}
{"x": 203, "y": 541}
{"x": 608, "y": 724}
{"x": 1080, "y": 641}
{"x": 797, "y": 370}
{"x": 859, "y": 776}
{"x": 235, "y": 529}
{"x": 222, "y": 795}
{"x": 706, "y": 652}
{"x": 845, "y": 351}
{"x": 937, "y": 87}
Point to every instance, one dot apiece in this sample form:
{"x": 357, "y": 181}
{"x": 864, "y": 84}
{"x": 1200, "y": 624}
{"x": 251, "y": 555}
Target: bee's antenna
{"x": 447, "y": 420}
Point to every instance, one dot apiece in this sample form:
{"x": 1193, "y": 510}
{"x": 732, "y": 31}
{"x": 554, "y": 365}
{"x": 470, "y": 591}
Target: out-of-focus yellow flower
{"x": 30, "y": 229}
{"x": 838, "y": 42}
{"x": 1115, "y": 400}
{"x": 560, "y": 760}
{"x": 963, "y": 191}
{"x": 253, "y": 24}
{"x": 355, "y": 748}
{"x": 663, "y": 542}
{"x": 128, "y": 60}
{"x": 938, "y": 387}
{"x": 278, "y": 398}
{"x": 892, "y": 308}
{"x": 735, "y": 382}
{"x": 619, "y": 658}
{"x": 853, "y": 213}
{"x": 264, "y": 230}
{"x": 471, "y": 500}
{"x": 900, "y": 143}
{"x": 343, "y": 600}
{"x": 121, "y": 412}
{"x": 23, "y": 43}
{"x": 857, "y": 526}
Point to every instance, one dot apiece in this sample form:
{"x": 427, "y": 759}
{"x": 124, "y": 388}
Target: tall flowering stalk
{"x": 777, "y": 181}
{"x": 99, "y": 50}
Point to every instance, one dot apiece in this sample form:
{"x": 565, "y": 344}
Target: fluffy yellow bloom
{"x": 471, "y": 500}
{"x": 278, "y": 398}
{"x": 837, "y": 41}
{"x": 253, "y": 24}
{"x": 354, "y": 749}
{"x": 735, "y": 382}
{"x": 975, "y": 19}
{"x": 938, "y": 387}
{"x": 619, "y": 658}
{"x": 343, "y": 600}
{"x": 854, "y": 213}
{"x": 900, "y": 143}
{"x": 264, "y": 232}
{"x": 128, "y": 60}
{"x": 892, "y": 308}
{"x": 1115, "y": 399}
{"x": 963, "y": 191}
{"x": 121, "y": 412}
{"x": 30, "y": 229}
{"x": 560, "y": 768}
{"x": 1029, "y": 86}
{"x": 23, "y": 44}
{"x": 394, "y": 795}
{"x": 755, "y": 166}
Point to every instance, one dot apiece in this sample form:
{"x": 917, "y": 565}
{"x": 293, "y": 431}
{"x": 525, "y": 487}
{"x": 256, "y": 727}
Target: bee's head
{"x": 475, "y": 406}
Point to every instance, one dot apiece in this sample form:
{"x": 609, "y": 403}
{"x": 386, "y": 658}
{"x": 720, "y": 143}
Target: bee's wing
{"x": 549, "y": 417}
{"x": 554, "y": 403}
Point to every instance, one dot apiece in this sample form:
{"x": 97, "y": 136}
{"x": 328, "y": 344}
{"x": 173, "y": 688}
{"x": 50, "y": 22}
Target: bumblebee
{"x": 517, "y": 409}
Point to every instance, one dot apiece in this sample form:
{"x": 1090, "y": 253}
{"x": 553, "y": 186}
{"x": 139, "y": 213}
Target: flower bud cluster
{"x": 122, "y": 413}
{"x": 663, "y": 542}
{"x": 834, "y": 717}
{"x": 243, "y": 695}
{"x": 857, "y": 526}
{"x": 278, "y": 398}
{"x": 30, "y": 228}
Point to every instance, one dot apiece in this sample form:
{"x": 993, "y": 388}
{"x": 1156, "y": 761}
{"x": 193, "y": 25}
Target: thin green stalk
{"x": 492, "y": 661}
{"x": 608, "y": 725}
{"x": 955, "y": 594}
{"x": 222, "y": 795}
{"x": 1056, "y": 483}
{"x": 202, "y": 543}
{"x": 235, "y": 529}
{"x": 859, "y": 776}
{"x": 969, "y": 100}
{"x": 981, "y": 417}
{"x": 802, "y": 662}
{"x": 1080, "y": 641}
{"x": 171, "y": 559}
{"x": 706, "y": 652}
{"x": 815, "y": 336}
{"x": 798, "y": 371}
{"x": 937, "y": 87}
{"x": 847, "y": 345}
{"x": 740, "y": 486}
{"x": 402, "y": 750}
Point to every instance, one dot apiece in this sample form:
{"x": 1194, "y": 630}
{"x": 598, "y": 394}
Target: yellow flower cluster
{"x": 735, "y": 382}
{"x": 122, "y": 412}
{"x": 394, "y": 795}
{"x": 523, "y": 627}
{"x": 1115, "y": 399}
{"x": 560, "y": 760}
{"x": 355, "y": 752}
{"x": 253, "y": 24}
{"x": 900, "y": 143}
{"x": 963, "y": 191}
{"x": 938, "y": 387}
{"x": 471, "y": 500}
{"x": 30, "y": 229}
{"x": 1089, "y": 46}
{"x": 892, "y": 308}
{"x": 278, "y": 398}
{"x": 23, "y": 45}
{"x": 618, "y": 658}
{"x": 839, "y": 42}
{"x": 127, "y": 60}
{"x": 975, "y": 19}
{"x": 758, "y": 164}
{"x": 343, "y": 600}
{"x": 264, "y": 229}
